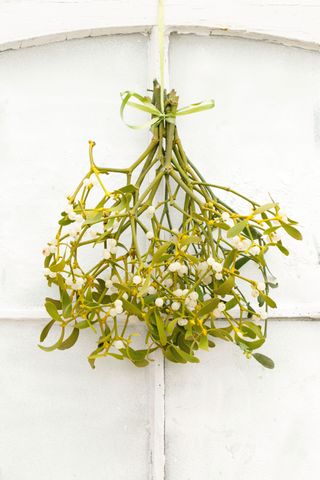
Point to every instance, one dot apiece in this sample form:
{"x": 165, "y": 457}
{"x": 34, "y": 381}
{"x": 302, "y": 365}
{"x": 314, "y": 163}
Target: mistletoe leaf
{"x": 264, "y": 208}
{"x": 230, "y": 258}
{"x": 46, "y": 330}
{"x": 132, "y": 308}
{"x": 171, "y": 354}
{"x": 226, "y": 286}
{"x": 57, "y": 303}
{"x": 70, "y": 341}
{"x": 186, "y": 356}
{"x": 231, "y": 303}
{"x": 282, "y": 249}
{"x": 161, "y": 329}
{"x": 58, "y": 267}
{"x": 241, "y": 262}
{"x": 128, "y": 189}
{"x": 93, "y": 217}
{"x": 203, "y": 343}
{"x": 66, "y": 303}
{"x": 191, "y": 239}
{"x": 223, "y": 333}
{"x": 237, "y": 228}
{"x": 55, "y": 345}
{"x": 263, "y": 360}
{"x": 160, "y": 252}
{"x": 52, "y": 310}
{"x": 271, "y": 303}
{"x": 208, "y": 306}
{"x": 249, "y": 345}
{"x": 292, "y": 231}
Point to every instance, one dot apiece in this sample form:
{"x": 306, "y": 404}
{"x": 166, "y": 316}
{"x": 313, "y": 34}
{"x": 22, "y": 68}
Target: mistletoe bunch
{"x": 166, "y": 251}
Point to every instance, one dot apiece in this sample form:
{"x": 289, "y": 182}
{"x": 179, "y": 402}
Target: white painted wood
{"x": 53, "y": 99}
{"x": 61, "y": 420}
{"x": 157, "y": 418}
{"x": 32, "y": 22}
{"x": 262, "y": 137}
{"x": 70, "y": 90}
{"x": 229, "y": 418}
{"x": 157, "y": 380}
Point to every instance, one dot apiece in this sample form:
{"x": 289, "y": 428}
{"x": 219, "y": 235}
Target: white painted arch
{"x": 30, "y": 23}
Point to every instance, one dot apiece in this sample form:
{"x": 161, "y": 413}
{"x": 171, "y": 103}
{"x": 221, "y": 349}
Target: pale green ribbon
{"x": 145, "y": 105}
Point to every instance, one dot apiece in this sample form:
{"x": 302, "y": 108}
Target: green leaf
{"x": 66, "y": 303}
{"x": 255, "y": 329}
{"x": 230, "y": 258}
{"x": 270, "y": 230}
{"x": 220, "y": 333}
{"x": 241, "y": 262}
{"x": 128, "y": 189}
{"x": 101, "y": 203}
{"x": 237, "y": 228}
{"x": 171, "y": 354}
{"x": 191, "y": 258}
{"x": 116, "y": 355}
{"x": 282, "y": 249}
{"x": 264, "y": 360}
{"x": 161, "y": 329}
{"x": 271, "y": 303}
{"x": 71, "y": 340}
{"x": 136, "y": 354}
{"x": 121, "y": 286}
{"x": 232, "y": 303}
{"x": 93, "y": 217}
{"x": 144, "y": 287}
{"x": 292, "y": 231}
{"x": 57, "y": 303}
{"x": 84, "y": 324}
{"x": 225, "y": 287}
{"x": 160, "y": 252}
{"x": 131, "y": 308}
{"x": 120, "y": 205}
{"x": 55, "y": 345}
{"x": 203, "y": 342}
{"x": 46, "y": 330}
{"x": 53, "y": 312}
{"x": 48, "y": 260}
{"x": 208, "y": 306}
{"x": 58, "y": 267}
{"x": 140, "y": 363}
{"x": 186, "y": 356}
{"x": 60, "y": 280}
{"x": 170, "y": 326}
{"x": 252, "y": 232}
{"x": 92, "y": 357}
{"x": 191, "y": 239}
{"x": 248, "y": 345}
{"x": 65, "y": 221}
{"x": 264, "y": 208}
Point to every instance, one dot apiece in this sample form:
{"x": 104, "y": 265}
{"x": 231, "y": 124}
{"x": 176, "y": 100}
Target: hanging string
{"x": 161, "y": 49}
{"x": 145, "y": 104}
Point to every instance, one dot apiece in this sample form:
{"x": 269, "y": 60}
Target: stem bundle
{"x": 170, "y": 254}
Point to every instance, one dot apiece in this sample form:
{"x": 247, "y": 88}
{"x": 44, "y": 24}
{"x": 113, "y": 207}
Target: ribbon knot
{"x": 145, "y": 105}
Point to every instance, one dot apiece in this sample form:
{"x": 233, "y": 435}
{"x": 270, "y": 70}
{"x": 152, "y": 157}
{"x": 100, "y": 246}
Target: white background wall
{"x": 226, "y": 417}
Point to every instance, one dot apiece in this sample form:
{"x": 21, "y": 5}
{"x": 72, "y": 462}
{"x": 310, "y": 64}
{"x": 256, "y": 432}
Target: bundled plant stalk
{"x": 170, "y": 256}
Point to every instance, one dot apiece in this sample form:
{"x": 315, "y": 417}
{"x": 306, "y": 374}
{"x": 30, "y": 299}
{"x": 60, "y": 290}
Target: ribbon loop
{"x": 144, "y": 104}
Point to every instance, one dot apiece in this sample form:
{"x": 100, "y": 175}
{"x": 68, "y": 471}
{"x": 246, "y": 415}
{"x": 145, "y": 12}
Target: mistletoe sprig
{"x": 166, "y": 251}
